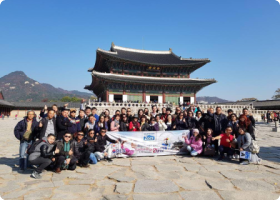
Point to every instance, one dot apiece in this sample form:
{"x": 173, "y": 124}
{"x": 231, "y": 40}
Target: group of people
{"x": 271, "y": 116}
{"x": 63, "y": 138}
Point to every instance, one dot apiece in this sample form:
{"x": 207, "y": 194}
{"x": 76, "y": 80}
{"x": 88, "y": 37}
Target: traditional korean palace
{"x": 125, "y": 74}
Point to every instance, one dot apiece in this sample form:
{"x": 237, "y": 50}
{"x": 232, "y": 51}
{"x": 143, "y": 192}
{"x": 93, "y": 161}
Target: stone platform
{"x": 147, "y": 178}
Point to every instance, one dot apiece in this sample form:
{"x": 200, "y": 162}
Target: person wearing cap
{"x": 134, "y": 124}
{"x": 104, "y": 150}
{"x": 75, "y": 122}
{"x": 194, "y": 144}
{"x": 62, "y": 123}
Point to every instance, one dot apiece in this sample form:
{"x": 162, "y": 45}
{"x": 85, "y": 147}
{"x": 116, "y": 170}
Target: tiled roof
{"x": 150, "y": 57}
{"x": 152, "y": 80}
{"x": 5, "y": 103}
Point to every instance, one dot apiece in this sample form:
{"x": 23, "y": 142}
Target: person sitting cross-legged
{"x": 104, "y": 150}
{"x": 226, "y": 143}
{"x": 65, "y": 159}
{"x": 43, "y": 155}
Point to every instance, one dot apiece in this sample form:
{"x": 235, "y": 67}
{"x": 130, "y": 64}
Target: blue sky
{"x": 55, "y": 41}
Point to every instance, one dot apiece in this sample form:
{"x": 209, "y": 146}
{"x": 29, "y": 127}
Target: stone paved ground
{"x": 144, "y": 178}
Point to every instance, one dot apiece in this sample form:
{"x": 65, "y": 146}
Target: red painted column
{"x": 107, "y": 96}
{"x": 144, "y": 94}
{"x": 195, "y": 98}
{"x": 188, "y": 76}
{"x": 163, "y": 97}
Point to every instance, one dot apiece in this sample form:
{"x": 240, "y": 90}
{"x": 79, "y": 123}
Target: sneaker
{"x": 244, "y": 163}
{"x": 220, "y": 158}
{"x": 109, "y": 160}
{"x": 85, "y": 166}
{"x": 36, "y": 175}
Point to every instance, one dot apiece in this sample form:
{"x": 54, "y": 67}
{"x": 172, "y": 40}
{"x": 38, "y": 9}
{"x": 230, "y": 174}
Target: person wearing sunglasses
{"x": 65, "y": 158}
{"x": 81, "y": 151}
{"x": 105, "y": 150}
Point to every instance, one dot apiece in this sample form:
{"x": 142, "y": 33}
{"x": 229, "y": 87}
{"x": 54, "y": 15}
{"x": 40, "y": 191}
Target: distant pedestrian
{"x": 8, "y": 116}
{"x": 3, "y": 116}
{"x": 15, "y": 117}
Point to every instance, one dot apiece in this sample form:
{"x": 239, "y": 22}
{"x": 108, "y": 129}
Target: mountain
{"x": 211, "y": 99}
{"x": 16, "y": 86}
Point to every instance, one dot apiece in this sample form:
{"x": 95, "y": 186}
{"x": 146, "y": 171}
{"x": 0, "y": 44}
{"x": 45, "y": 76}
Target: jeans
{"x": 223, "y": 150}
{"x": 41, "y": 162}
{"x": 23, "y": 156}
{"x": 92, "y": 158}
{"x": 192, "y": 151}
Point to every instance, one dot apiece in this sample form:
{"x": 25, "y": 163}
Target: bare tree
{"x": 276, "y": 94}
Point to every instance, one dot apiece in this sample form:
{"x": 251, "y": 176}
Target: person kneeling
{"x": 65, "y": 159}
{"x": 226, "y": 143}
{"x": 194, "y": 144}
{"x": 102, "y": 141}
{"x": 81, "y": 151}
{"x": 43, "y": 155}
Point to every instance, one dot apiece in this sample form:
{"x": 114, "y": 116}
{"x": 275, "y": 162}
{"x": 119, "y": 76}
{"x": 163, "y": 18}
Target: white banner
{"x": 150, "y": 143}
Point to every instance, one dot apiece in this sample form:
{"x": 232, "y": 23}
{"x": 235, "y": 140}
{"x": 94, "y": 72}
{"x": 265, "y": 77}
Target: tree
{"x": 66, "y": 99}
{"x": 276, "y": 94}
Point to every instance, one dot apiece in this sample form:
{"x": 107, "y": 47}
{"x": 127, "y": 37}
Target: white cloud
{"x": 1, "y": 1}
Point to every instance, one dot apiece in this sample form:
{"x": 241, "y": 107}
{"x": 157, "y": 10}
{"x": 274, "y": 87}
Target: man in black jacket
{"x": 62, "y": 123}
{"x": 65, "y": 159}
{"x": 252, "y": 119}
{"x": 102, "y": 142}
{"x": 47, "y": 125}
{"x": 25, "y": 132}
{"x": 220, "y": 121}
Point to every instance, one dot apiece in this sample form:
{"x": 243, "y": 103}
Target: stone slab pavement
{"x": 146, "y": 178}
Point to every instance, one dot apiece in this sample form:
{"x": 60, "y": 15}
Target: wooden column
{"x": 144, "y": 94}
{"x": 194, "y": 98}
{"x": 107, "y": 96}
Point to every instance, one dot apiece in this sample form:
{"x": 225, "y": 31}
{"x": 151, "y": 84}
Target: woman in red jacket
{"x": 134, "y": 124}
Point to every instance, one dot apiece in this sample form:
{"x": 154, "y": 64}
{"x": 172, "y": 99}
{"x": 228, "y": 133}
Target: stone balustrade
{"x": 112, "y": 107}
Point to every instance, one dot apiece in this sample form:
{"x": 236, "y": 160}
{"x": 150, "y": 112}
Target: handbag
{"x": 254, "y": 147}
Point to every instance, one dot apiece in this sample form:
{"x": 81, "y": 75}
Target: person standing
{"x": 47, "y": 125}
{"x": 124, "y": 124}
{"x": 93, "y": 112}
{"x": 62, "y": 123}
{"x": 83, "y": 120}
{"x": 75, "y": 123}
{"x": 25, "y": 132}
{"x": 220, "y": 124}
{"x": 115, "y": 124}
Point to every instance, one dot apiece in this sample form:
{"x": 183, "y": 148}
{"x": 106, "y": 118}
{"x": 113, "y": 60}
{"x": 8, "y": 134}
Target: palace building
{"x": 125, "y": 74}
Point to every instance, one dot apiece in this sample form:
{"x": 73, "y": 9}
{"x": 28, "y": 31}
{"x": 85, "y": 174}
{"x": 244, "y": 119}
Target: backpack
{"x": 254, "y": 147}
{"x": 31, "y": 148}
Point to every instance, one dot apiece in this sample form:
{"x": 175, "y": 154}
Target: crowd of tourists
{"x": 65, "y": 138}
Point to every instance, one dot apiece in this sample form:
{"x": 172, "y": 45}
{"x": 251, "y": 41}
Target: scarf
{"x": 116, "y": 122}
{"x": 66, "y": 149}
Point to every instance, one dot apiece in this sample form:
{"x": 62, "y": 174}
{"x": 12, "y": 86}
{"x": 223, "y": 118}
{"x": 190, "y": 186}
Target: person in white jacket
{"x": 162, "y": 126}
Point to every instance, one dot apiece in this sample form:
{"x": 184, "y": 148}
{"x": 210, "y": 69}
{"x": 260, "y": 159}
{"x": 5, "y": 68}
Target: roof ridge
{"x": 147, "y": 77}
{"x": 140, "y": 50}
